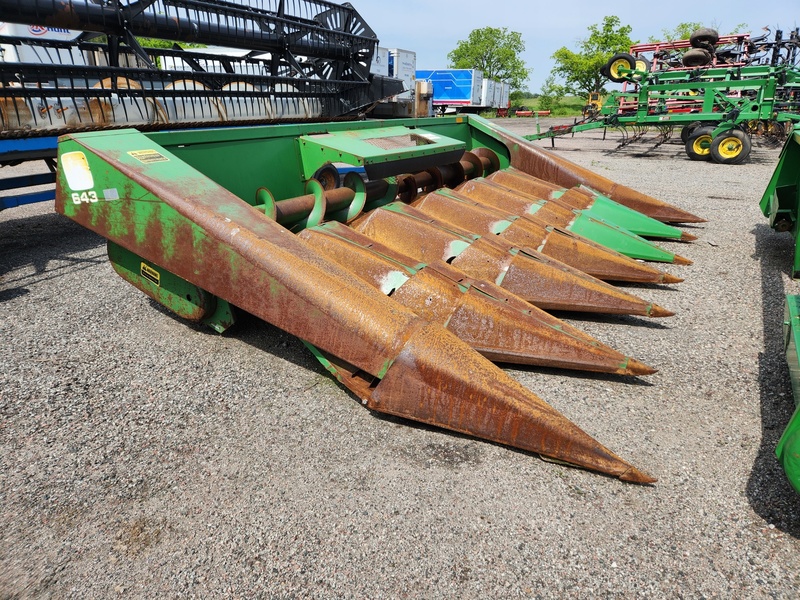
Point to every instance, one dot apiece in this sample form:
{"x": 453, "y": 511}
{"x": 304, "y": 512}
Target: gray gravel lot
{"x": 142, "y": 457}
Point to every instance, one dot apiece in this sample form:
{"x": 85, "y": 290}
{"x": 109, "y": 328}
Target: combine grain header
{"x": 404, "y": 253}
{"x": 79, "y": 65}
{"x": 306, "y": 59}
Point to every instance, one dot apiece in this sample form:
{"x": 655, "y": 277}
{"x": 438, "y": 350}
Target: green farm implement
{"x": 404, "y": 253}
{"x": 788, "y": 449}
{"x": 714, "y": 108}
{"x": 781, "y": 203}
{"x": 717, "y": 99}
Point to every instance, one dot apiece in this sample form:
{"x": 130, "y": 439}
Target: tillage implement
{"x": 718, "y": 91}
{"x": 406, "y": 254}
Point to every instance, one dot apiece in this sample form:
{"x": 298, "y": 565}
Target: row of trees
{"x": 496, "y": 52}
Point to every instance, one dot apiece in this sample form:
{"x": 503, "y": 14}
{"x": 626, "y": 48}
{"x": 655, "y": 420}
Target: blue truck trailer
{"x": 464, "y": 90}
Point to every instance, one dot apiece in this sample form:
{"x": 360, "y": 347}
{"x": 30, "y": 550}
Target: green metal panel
{"x": 781, "y": 200}
{"x": 788, "y": 448}
{"x": 605, "y": 209}
{"x": 243, "y": 159}
{"x": 619, "y": 239}
{"x": 612, "y": 236}
{"x": 382, "y": 151}
{"x": 181, "y": 297}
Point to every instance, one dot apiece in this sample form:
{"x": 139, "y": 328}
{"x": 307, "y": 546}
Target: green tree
{"x": 681, "y": 31}
{"x": 551, "y": 95}
{"x": 517, "y": 96}
{"x": 495, "y": 52}
{"x": 581, "y": 69}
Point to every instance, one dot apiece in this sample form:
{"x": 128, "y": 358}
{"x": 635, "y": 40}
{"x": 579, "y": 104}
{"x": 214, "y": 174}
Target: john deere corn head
{"x": 404, "y": 253}
{"x": 781, "y": 202}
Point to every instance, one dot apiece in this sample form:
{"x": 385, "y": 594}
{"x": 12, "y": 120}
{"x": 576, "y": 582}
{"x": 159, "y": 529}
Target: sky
{"x": 433, "y": 28}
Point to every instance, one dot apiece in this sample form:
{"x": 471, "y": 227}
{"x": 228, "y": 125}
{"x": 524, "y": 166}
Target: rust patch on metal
{"x": 532, "y": 160}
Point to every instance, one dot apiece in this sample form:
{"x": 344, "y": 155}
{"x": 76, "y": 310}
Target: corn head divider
{"x": 205, "y": 221}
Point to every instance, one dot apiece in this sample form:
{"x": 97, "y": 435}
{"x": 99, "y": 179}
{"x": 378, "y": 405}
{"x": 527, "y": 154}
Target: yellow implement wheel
{"x": 698, "y": 146}
{"x": 617, "y": 62}
{"x": 730, "y": 147}
{"x": 643, "y": 65}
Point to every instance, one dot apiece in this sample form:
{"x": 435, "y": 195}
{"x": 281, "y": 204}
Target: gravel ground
{"x": 141, "y": 457}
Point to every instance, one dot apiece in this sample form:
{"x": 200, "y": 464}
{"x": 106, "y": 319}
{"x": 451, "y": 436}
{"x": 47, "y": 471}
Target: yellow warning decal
{"x": 150, "y": 274}
{"x": 148, "y": 156}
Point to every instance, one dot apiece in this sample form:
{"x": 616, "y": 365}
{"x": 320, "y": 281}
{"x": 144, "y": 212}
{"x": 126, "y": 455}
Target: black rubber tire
{"x": 704, "y": 37}
{"x": 687, "y": 130}
{"x": 730, "y": 147}
{"x": 698, "y": 146}
{"x": 620, "y": 59}
{"x": 696, "y": 57}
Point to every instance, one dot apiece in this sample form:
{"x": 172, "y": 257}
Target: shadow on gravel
{"x": 570, "y": 374}
{"x": 768, "y": 490}
{"x": 270, "y": 339}
{"x": 35, "y": 241}
{"x": 640, "y": 149}
{"x": 632, "y": 320}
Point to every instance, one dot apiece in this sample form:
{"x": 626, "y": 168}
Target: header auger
{"x": 208, "y": 221}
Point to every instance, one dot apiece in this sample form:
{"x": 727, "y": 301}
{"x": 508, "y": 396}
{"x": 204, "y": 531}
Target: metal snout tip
{"x": 634, "y": 367}
{"x": 667, "y": 278}
{"x": 657, "y": 311}
{"x": 634, "y": 475}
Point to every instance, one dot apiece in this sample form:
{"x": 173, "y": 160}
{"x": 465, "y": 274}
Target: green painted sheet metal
{"x": 129, "y": 189}
{"x": 781, "y": 200}
{"x": 605, "y": 209}
{"x": 618, "y": 238}
{"x": 788, "y": 449}
{"x": 180, "y": 296}
{"x": 382, "y": 151}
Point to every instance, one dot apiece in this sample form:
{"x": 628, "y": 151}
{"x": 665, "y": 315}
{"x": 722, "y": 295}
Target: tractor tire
{"x": 698, "y": 146}
{"x": 688, "y": 130}
{"x": 704, "y": 38}
{"x": 696, "y": 57}
{"x": 730, "y": 147}
{"x": 621, "y": 60}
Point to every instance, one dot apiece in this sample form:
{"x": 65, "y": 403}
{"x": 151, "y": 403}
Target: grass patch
{"x": 568, "y": 106}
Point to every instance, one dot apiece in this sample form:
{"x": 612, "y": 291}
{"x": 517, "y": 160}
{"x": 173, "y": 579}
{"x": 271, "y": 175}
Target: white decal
{"x": 84, "y": 197}
{"x": 76, "y": 168}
